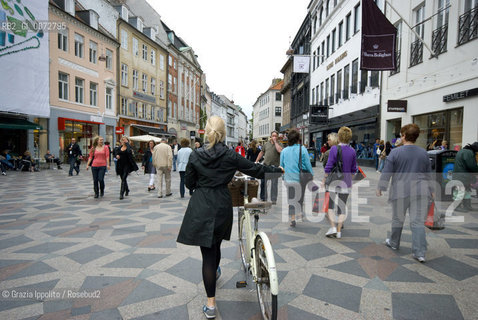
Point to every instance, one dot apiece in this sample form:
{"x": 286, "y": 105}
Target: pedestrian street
{"x": 118, "y": 259}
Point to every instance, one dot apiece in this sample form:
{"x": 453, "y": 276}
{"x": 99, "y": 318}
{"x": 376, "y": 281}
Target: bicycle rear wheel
{"x": 267, "y": 300}
{"x": 242, "y": 238}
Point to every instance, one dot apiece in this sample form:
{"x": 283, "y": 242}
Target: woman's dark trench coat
{"x": 209, "y": 215}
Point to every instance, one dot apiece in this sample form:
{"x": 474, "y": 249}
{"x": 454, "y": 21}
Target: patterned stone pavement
{"x": 112, "y": 259}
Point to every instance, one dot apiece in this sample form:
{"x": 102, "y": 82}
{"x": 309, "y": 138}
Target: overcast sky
{"x": 240, "y": 45}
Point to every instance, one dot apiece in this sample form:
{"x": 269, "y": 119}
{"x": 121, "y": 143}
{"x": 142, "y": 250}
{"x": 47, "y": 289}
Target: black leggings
{"x": 210, "y": 261}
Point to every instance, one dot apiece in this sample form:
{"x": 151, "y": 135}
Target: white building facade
{"x": 268, "y": 112}
{"x": 242, "y": 127}
{"x": 352, "y": 95}
{"x": 439, "y": 93}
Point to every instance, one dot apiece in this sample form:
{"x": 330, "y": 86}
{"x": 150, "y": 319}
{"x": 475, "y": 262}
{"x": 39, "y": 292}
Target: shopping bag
{"x": 325, "y": 205}
{"x": 360, "y": 175}
{"x": 315, "y": 208}
{"x": 435, "y": 220}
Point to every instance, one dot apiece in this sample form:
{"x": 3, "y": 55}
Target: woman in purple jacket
{"x": 340, "y": 189}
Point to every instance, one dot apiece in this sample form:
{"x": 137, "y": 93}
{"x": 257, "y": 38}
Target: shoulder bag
{"x": 337, "y": 171}
{"x": 304, "y": 176}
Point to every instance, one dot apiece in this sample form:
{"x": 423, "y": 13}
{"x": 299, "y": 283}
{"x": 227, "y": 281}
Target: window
{"x": 468, "y": 22}
{"x": 374, "y": 77}
{"x": 124, "y": 75}
{"x": 313, "y": 96}
{"x": 332, "y": 89}
{"x": 135, "y": 47}
{"x": 339, "y": 86}
{"x": 354, "y": 76}
{"x": 175, "y": 84}
{"x": 328, "y": 46}
{"x": 317, "y": 101}
{"x": 124, "y": 39}
{"x": 326, "y": 93}
{"x": 416, "y": 48}
{"x": 140, "y": 110}
{"x": 327, "y": 7}
{"x": 363, "y": 80}
{"x": 145, "y": 83}
{"x": 357, "y": 20}
{"x": 93, "y": 51}
{"x": 313, "y": 58}
{"x": 170, "y": 61}
{"x": 278, "y": 96}
{"x": 79, "y": 40}
{"x": 333, "y": 40}
{"x": 79, "y": 90}
{"x": 175, "y": 66}
{"x": 322, "y": 58}
{"x": 109, "y": 59}
{"x": 322, "y": 100}
{"x": 321, "y": 15}
{"x": 133, "y": 109}
{"x": 346, "y": 81}
{"x": 161, "y": 89}
{"x": 347, "y": 27}
{"x": 135, "y": 79}
{"x": 440, "y": 34}
{"x": 109, "y": 99}
{"x": 124, "y": 106}
{"x": 153, "y": 86}
{"x": 153, "y": 57}
{"x": 145, "y": 52}
{"x": 170, "y": 82}
{"x": 93, "y": 94}
{"x": 169, "y": 109}
{"x": 62, "y": 86}
{"x": 398, "y": 46}
{"x": 341, "y": 31}
{"x": 161, "y": 62}
{"x": 63, "y": 40}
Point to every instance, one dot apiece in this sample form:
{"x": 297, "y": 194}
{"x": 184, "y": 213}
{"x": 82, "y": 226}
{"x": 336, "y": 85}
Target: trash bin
{"x": 312, "y": 156}
{"x": 443, "y": 163}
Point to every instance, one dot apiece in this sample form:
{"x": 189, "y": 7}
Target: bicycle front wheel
{"x": 267, "y": 300}
{"x": 242, "y": 238}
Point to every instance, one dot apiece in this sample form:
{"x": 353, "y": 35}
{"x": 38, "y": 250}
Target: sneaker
{"x": 160, "y": 196}
{"x": 332, "y": 233}
{"x": 210, "y": 313}
{"x": 338, "y": 235}
{"x": 388, "y": 244}
{"x": 293, "y": 223}
{"x": 218, "y": 273}
{"x": 419, "y": 259}
{"x": 169, "y": 194}
{"x": 4, "y": 173}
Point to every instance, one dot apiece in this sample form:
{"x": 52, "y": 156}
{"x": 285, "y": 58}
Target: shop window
{"x": 353, "y": 87}
{"x": 438, "y": 126}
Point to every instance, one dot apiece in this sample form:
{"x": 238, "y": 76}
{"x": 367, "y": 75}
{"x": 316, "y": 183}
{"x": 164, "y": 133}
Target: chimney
{"x": 90, "y": 17}
{"x": 66, "y": 5}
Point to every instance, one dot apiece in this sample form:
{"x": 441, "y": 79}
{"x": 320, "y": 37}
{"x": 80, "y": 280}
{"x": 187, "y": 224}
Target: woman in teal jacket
{"x": 465, "y": 163}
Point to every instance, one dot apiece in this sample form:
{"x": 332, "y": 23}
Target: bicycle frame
{"x": 251, "y": 235}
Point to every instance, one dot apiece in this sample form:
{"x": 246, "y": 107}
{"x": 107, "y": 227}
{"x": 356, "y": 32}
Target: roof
{"x": 278, "y": 86}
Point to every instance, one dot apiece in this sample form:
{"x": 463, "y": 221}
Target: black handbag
{"x": 304, "y": 176}
{"x": 337, "y": 172}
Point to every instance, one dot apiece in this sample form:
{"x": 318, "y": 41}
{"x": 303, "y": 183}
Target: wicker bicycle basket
{"x": 236, "y": 188}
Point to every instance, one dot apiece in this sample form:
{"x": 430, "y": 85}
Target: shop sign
{"x": 96, "y": 118}
{"x": 397, "y": 106}
{"x": 143, "y": 96}
{"x": 319, "y": 114}
{"x": 460, "y": 95}
{"x": 119, "y": 130}
{"x": 201, "y": 131}
{"x": 330, "y": 65}
{"x": 339, "y": 58}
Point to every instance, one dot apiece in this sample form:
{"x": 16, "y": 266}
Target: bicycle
{"x": 257, "y": 255}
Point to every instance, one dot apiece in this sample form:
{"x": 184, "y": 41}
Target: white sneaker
{"x": 4, "y": 173}
{"x": 332, "y": 233}
{"x": 339, "y": 235}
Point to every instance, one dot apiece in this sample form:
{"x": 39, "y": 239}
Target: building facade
{"x": 268, "y": 111}
{"x": 82, "y": 78}
{"x": 440, "y": 92}
{"x": 300, "y": 82}
{"x": 286, "y": 94}
{"x": 351, "y": 95}
{"x": 142, "y": 73}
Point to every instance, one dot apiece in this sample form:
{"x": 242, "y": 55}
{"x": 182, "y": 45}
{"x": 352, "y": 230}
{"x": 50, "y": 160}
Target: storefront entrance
{"x": 393, "y": 129}
{"x": 83, "y": 131}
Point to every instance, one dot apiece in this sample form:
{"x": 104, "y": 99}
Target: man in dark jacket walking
{"x": 73, "y": 151}
{"x": 465, "y": 166}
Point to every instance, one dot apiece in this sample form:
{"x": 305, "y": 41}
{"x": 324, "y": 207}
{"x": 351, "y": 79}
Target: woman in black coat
{"x": 148, "y": 166}
{"x": 209, "y": 216}
{"x": 125, "y": 164}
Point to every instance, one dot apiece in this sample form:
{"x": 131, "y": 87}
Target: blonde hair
{"x": 334, "y": 138}
{"x": 215, "y": 131}
{"x": 95, "y": 141}
{"x": 127, "y": 138}
{"x": 345, "y": 134}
